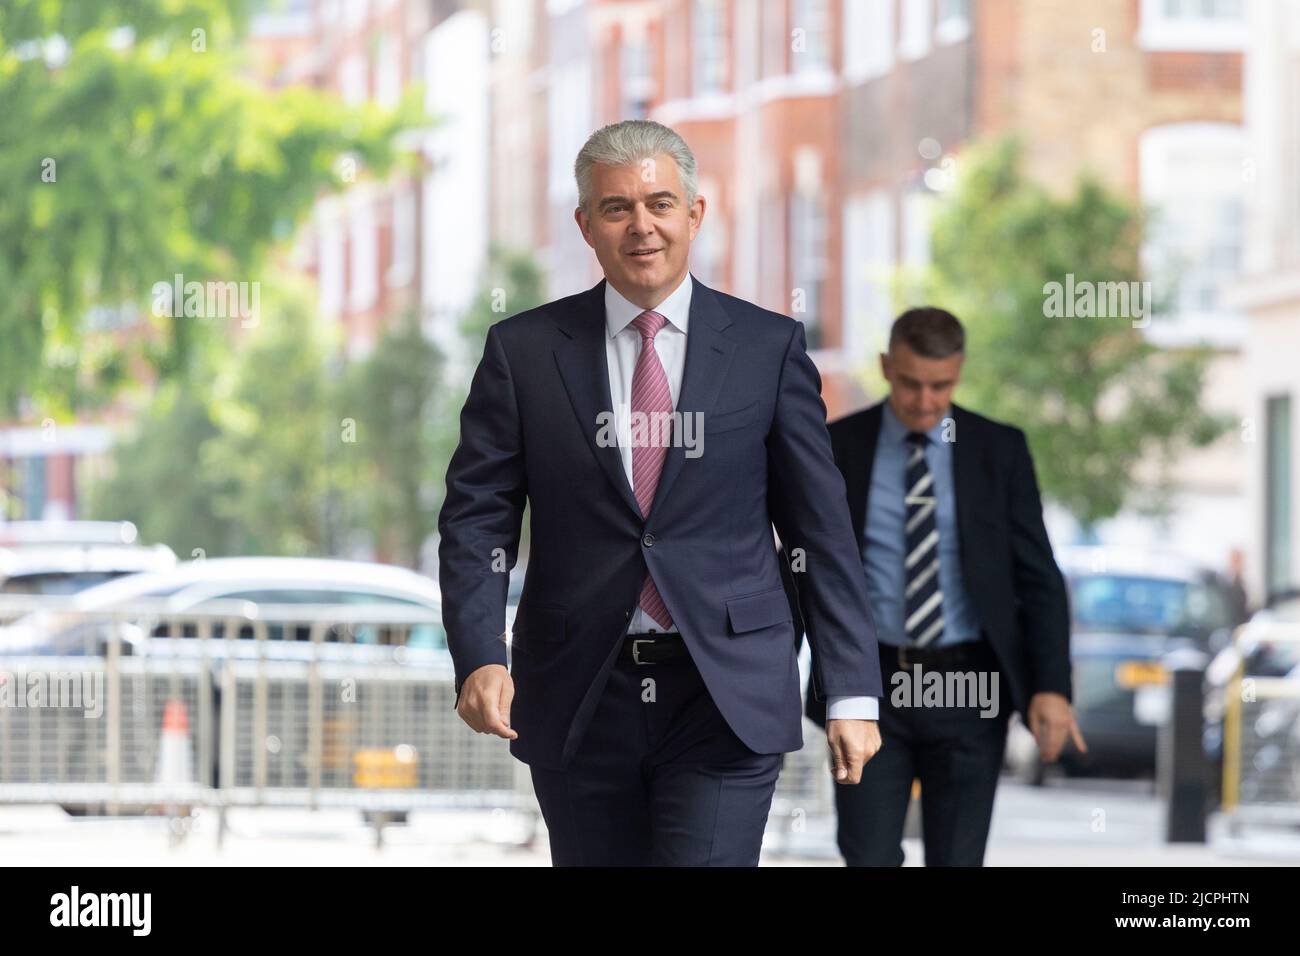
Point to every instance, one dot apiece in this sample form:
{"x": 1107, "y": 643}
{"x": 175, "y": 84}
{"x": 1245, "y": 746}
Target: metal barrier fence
{"x": 218, "y": 707}
{"x": 156, "y": 708}
{"x": 1261, "y": 730}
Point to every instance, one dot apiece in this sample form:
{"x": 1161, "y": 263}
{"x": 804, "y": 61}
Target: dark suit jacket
{"x": 529, "y": 430}
{"x": 1011, "y": 578}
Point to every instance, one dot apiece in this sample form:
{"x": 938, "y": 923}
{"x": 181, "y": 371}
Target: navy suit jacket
{"x": 529, "y": 432}
{"x": 1011, "y": 578}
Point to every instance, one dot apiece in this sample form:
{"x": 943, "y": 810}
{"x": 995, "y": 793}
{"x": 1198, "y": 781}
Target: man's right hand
{"x": 485, "y": 701}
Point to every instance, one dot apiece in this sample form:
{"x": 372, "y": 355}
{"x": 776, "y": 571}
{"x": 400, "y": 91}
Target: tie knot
{"x": 917, "y": 439}
{"x": 649, "y": 323}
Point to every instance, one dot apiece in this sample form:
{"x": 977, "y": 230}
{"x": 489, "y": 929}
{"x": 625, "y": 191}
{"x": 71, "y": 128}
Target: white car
{"x": 374, "y": 601}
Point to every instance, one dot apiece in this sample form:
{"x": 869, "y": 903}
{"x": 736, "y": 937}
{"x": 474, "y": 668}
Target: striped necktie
{"x": 651, "y": 396}
{"x": 923, "y": 600}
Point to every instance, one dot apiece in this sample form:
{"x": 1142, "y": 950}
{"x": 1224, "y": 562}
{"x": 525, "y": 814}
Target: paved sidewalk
{"x": 44, "y": 835}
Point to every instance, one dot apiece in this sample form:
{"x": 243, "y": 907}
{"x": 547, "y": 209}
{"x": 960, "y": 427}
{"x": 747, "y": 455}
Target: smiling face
{"x": 641, "y": 227}
{"x": 920, "y": 388}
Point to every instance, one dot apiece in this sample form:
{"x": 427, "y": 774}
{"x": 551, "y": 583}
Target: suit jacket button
{"x": 648, "y": 541}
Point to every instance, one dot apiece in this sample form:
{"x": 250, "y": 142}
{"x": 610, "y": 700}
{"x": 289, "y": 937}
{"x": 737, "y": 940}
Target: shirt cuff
{"x": 852, "y": 708}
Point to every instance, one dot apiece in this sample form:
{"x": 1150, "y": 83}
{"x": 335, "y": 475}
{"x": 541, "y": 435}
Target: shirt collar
{"x": 895, "y": 431}
{"x": 676, "y": 308}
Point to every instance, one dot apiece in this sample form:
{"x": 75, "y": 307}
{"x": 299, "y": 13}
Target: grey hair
{"x": 628, "y": 143}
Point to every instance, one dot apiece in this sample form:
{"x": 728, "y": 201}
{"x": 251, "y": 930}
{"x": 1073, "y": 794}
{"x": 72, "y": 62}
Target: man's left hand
{"x": 1051, "y": 719}
{"x": 852, "y": 743}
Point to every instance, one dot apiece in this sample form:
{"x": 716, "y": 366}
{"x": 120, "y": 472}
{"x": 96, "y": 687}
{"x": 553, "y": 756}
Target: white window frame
{"x": 868, "y": 39}
{"x": 869, "y": 260}
{"x": 363, "y": 248}
{"x": 815, "y": 18}
{"x": 916, "y": 31}
{"x": 1159, "y": 31}
{"x": 1158, "y": 148}
{"x": 709, "y": 51}
{"x": 953, "y": 24}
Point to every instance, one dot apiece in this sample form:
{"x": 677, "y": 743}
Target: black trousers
{"x": 659, "y": 779}
{"x": 956, "y": 753}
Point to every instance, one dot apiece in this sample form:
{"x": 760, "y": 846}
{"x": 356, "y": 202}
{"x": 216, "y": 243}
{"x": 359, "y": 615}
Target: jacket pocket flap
{"x": 758, "y": 610}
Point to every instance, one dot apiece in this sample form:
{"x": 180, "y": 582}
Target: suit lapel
{"x": 965, "y": 477}
{"x": 581, "y": 359}
{"x": 708, "y": 356}
{"x": 583, "y": 366}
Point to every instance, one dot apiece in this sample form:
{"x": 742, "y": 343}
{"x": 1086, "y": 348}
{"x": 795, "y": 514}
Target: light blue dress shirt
{"x": 885, "y": 539}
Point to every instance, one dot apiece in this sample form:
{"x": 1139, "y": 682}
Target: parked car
{"x": 1127, "y": 609}
{"x": 17, "y": 534}
{"x": 1267, "y": 647}
{"x": 258, "y": 582}
{"x": 49, "y": 569}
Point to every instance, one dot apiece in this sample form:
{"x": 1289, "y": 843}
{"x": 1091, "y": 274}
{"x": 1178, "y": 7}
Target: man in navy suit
{"x": 971, "y": 610}
{"x": 658, "y": 429}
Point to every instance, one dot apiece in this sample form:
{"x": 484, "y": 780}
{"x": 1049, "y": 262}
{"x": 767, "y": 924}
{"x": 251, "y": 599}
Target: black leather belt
{"x": 653, "y": 648}
{"x": 963, "y": 654}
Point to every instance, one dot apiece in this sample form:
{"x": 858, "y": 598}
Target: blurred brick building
{"x": 1269, "y": 293}
{"x": 825, "y": 131}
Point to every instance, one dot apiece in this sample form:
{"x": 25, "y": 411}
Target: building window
{"x": 868, "y": 39}
{"x": 352, "y": 80}
{"x": 954, "y": 21}
{"x": 1191, "y": 181}
{"x": 356, "y": 12}
{"x": 33, "y": 493}
{"x": 1209, "y": 25}
{"x": 364, "y": 272}
{"x": 401, "y": 272}
{"x": 914, "y": 37}
{"x": 710, "y": 32}
{"x": 917, "y": 209}
{"x": 1278, "y": 573}
{"x": 813, "y": 18}
{"x": 708, "y": 251}
{"x": 388, "y": 78}
{"x": 330, "y": 258}
{"x": 868, "y": 264}
{"x": 773, "y": 222}
{"x": 775, "y": 38}
{"x": 808, "y": 261}
{"x": 636, "y": 80}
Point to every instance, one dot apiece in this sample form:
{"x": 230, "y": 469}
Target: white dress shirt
{"x": 622, "y": 347}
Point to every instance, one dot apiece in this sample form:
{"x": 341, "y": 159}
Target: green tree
{"x": 1094, "y": 396}
{"x": 130, "y": 155}
{"x": 242, "y": 458}
{"x": 154, "y": 479}
{"x": 394, "y": 403}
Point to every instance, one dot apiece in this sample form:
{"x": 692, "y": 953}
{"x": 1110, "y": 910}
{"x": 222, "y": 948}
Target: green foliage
{"x": 1094, "y": 397}
{"x": 241, "y": 458}
{"x": 397, "y": 400}
{"x": 124, "y": 162}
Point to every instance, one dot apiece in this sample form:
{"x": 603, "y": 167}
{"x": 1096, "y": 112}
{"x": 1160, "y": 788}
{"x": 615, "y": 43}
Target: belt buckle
{"x": 636, "y": 651}
{"x": 902, "y": 656}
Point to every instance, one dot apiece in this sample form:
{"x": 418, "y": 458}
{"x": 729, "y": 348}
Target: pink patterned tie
{"x": 650, "y": 395}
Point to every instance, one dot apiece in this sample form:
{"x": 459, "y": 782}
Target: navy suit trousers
{"x": 957, "y": 756}
{"x": 659, "y": 778}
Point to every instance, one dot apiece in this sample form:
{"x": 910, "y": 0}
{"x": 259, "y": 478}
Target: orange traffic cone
{"x": 175, "y": 767}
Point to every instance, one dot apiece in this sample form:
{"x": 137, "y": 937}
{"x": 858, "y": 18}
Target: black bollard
{"x": 1181, "y": 767}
